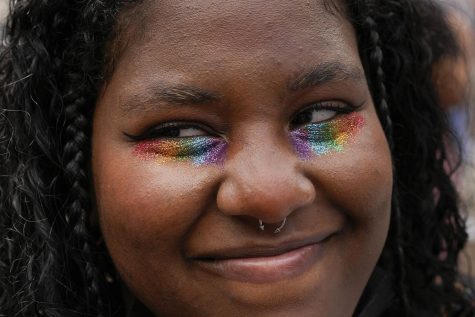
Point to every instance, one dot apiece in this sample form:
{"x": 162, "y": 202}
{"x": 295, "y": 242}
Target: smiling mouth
{"x": 265, "y": 266}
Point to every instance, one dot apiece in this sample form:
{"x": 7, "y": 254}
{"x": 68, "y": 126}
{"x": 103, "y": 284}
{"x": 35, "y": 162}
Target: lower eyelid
{"x": 178, "y": 142}
{"x": 199, "y": 150}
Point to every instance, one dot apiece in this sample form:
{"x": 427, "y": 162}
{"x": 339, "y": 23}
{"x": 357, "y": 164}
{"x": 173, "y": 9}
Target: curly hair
{"x": 55, "y": 57}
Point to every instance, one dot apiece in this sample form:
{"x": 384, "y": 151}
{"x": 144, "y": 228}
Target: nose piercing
{"x": 261, "y": 225}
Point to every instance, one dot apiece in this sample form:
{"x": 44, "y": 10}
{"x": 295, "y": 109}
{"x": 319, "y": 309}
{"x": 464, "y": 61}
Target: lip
{"x": 264, "y": 264}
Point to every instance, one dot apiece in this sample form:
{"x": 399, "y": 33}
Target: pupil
{"x": 302, "y": 118}
{"x": 168, "y": 132}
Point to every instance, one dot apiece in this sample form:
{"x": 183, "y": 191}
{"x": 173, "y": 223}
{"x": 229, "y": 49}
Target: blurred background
{"x": 455, "y": 79}
{"x": 3, "y": 11}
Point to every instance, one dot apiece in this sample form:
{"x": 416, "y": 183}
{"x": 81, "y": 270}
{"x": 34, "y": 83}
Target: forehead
{"x": 234, "y": 19}
{"x": 207, "y": 29}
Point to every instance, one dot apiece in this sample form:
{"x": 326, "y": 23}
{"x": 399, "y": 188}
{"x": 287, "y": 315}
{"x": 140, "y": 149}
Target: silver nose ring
{"x": 262, "y": 227}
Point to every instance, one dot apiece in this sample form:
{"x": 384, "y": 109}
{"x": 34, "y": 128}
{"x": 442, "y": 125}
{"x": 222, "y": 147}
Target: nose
{"x": 264, "y": 180}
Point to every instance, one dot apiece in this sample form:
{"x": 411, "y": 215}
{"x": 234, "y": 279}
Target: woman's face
{"x": 221, "y": 113}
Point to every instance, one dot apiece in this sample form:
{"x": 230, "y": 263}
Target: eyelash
{"x": 160, "y": 131}
{"x": 338, "y": 107}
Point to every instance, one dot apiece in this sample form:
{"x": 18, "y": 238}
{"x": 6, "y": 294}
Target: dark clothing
{"x": 377, "y": 297}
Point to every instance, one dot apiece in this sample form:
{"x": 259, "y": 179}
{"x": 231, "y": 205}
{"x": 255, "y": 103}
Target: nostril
{"x": 278, "y": 227}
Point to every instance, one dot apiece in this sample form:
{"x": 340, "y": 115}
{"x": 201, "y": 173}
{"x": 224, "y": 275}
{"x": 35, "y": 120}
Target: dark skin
{"x": 244, "y": 71}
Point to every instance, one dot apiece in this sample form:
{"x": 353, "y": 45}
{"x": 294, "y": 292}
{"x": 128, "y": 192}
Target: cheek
{"x": 136, "y": 202}
{"x": 358, "y": 181}
{"x": 357, "y": 184}
{"x": 363, "y": 166}
{"x": 146, "y": 209}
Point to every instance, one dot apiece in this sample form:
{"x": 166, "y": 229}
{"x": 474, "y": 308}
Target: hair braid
{"x": 75, "y": 157}
{"x": 380, "y": 98}
{"x": 427, "y": 232}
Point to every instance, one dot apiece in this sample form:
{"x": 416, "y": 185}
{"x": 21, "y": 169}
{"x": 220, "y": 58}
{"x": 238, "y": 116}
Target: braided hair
{"x": 51, "y": 266}
{"x": 427, "y": 230}
{"x": 55, "y": 56}
{"x": 380, "y": 98}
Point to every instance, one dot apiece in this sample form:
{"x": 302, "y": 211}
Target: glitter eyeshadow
{"x": 326, "y": 137}
{"x": 197, "y": 150}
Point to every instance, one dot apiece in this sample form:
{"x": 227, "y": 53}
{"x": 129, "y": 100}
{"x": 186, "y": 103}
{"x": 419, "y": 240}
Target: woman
{"x": 250, "y": 158}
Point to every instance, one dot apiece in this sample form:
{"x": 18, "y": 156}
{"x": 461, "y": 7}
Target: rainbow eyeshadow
{"x": 197, "y": 150}
{"x": 323, "y": 138}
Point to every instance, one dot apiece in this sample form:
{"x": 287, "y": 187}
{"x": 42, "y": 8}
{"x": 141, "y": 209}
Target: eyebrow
{"x": 189, "y": 95}
{"x": 178, "y": 95}
{"x": 325, "y": 73}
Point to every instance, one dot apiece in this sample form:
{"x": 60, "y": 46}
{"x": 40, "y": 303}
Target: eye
{"x": 181, "y": 132}
{"x": 172, "y": 130}
{"x": 319, "y": 112}
{"x": 313, "y": 116}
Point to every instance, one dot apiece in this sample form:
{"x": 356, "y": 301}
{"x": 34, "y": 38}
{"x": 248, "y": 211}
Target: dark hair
{"x": 56, "y": 55}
